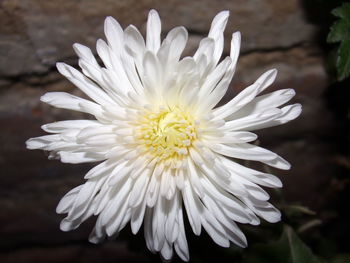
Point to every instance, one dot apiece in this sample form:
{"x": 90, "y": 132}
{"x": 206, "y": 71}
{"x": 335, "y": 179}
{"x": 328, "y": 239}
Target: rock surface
{"x": 37, "y": 33}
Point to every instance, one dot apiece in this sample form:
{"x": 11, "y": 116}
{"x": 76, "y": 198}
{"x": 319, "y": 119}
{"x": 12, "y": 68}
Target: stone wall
{"x": 35, "y": 34}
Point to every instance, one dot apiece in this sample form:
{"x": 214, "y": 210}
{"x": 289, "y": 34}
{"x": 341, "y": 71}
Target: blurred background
{"x": 290, "y": 35}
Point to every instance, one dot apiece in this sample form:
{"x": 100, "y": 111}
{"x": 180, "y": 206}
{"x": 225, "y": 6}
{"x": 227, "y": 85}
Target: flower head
{"x": 164, "y": 148}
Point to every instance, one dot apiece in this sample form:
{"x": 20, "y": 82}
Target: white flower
{"x": 163, "y": 146}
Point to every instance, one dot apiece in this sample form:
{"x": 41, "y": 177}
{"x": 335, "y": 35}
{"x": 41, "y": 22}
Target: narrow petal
{"x": 114, "y": 34}
{"x": 261, "y": 103}
{"x": 244, "y": 151}
{"x": 217, "y": 32}
{"x": 84, "y": 84}
{"x": 80, "y": 157}
{"x": 173, "y": 45}
{"x": 153, "y": 31}
{"x": 67, "y": 101}
{"x": 247, "y": 95}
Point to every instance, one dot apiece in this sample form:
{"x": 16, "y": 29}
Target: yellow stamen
{"x": 167, "y": 133}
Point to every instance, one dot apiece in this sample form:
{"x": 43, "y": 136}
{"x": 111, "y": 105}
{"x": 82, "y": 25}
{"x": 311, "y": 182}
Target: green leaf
{"x": 288, "y": 249}
{"x": 343, "y": 59}
{"x": 292, "y": 210}
{"x": 340, "y": 33}
{"x": 342, "y": 11}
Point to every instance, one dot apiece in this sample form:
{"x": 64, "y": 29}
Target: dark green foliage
{"x": 340, "y": 33}
{"x": 288, "y": 249}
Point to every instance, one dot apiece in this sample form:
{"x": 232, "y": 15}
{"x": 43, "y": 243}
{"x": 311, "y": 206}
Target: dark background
{"x": 288, "y": 35}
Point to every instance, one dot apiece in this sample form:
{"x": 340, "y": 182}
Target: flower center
{"x": 167, "y": 133}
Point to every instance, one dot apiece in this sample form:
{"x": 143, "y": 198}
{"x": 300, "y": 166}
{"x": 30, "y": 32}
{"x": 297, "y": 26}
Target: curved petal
{"x": 153, "y": 31}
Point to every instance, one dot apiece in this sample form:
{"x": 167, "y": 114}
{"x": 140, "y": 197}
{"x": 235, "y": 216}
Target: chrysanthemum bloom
{"x": 163, "y": 146}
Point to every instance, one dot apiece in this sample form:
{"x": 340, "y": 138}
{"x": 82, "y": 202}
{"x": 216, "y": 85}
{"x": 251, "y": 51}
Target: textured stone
{"x": 35, "y": 34}
{"x": 298, "y": 68}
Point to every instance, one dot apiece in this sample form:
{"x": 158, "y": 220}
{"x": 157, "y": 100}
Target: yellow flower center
{"x": 167, "y": 133}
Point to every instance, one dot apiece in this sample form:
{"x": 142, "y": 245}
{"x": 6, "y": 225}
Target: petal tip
{"x": 153, "y": 12}
{"x": 292, "y": 92}
{"x": 225, "y": 13}
{"x": 66, "y": 225}
{"x": 45, "y": 98}
{"x": 76, "y": 46}
{"x": 109, "y": 21}
{"x": 274, "y": 71}
{"x": 29, "y": 144}
{"x": 236, "y": 36}
{"x": 60, "y": 65}
{"x": 287, "y": 166}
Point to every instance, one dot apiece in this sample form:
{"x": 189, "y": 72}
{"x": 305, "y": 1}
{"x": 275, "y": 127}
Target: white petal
{"x": 214, "y": 229}
{"x": 264, "y": 210}
{"x": 148, "y": 229}
{"x": 114, "y": 33}
{"x": 116, "y": 202}
{"x": 231, "y": 229}
{"x": 254, "y": 176}
{"x": 85, "y": 54}
{"x": 214, "y": 77}
{"x": 118, "y": 221}
{"x": 108, "y": 140}
{"x": 236, "y": 188}
{"x": 244, "y": 151}
{"x": 173, "y": 45}
{"x": 92, "y": 131}
{"x": 84, "y": 84}
{"x": 287, "y": 114}
{"x": 137, "y": 217}
{"x": 231, "y": 206}
{"x": 139, "y": 189}
{"x": 232, "y": 137}
{"x": 80, "y": 157}
{"x": 192, "y": 208}
{"x": 206, "y": 49}
{"x": 68, "y": 225}
{"x": 247, "y": 95}
{"x": 103, "y": 51}
{"x": 67, "y": 201}
{"x": 42, "y": 142}
{"x": 216, "y": 32}
{"x": 254, "y": 121}
{"x": 167, "y": 251}
{"x": 270, "y": 100}
{"x": 255, "y": 191}
{"x": 96, "y": 237}
{"x": 135, "y": 45}
{"x": 61, "y": 126}
{"x": 158, "y": 224}
{"x": 180, "y": 244}
{"x": 193, "y": 175}
{"x": 84, "y": 198}
{"x": 101, "y": 169}
{"x": 235, "y": 48}
{"x": 152, "y": 73}
{"x": 236, "y": 235}
{"x": 153, "y": 31}
{"x": 279, "y": 163}
{"x": 67, "y": 101}
{"x": 120, "y": 173}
